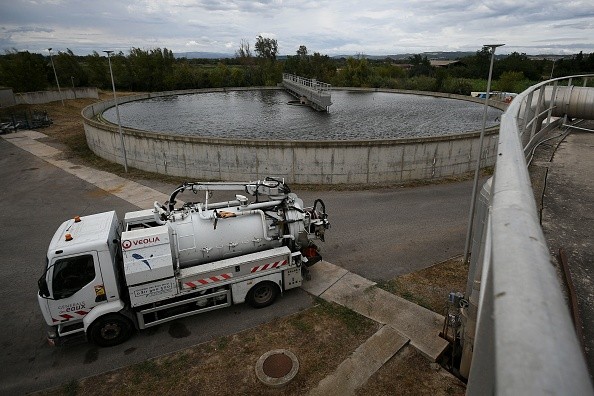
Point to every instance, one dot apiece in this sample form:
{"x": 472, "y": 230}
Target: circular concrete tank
{"x": 299, "y": 161}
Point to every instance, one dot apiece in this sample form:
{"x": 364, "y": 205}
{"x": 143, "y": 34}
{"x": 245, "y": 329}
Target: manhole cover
{"x": 277, "y": 368}
{"x": 277, "y": 365}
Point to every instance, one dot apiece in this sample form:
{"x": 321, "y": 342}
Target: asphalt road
{"x": 378, "y": 234}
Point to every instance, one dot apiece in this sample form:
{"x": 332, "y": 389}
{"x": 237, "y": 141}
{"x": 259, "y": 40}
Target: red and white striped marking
{"x": 269, "y": 266}
{"x": 71, "y": 315}
{"x": 206, "y": 281}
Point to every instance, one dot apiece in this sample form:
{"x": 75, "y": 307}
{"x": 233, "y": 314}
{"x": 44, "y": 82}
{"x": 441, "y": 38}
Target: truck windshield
{"x": 71, "y": 274}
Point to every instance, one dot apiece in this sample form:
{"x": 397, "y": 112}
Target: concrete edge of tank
{"x": 298, "y": 161}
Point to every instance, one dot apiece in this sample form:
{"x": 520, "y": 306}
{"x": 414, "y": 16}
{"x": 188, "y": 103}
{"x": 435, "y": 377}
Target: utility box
{"x": 147, "y": 255}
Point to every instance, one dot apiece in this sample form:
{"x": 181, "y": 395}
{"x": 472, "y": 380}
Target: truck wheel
{"x": 262, "y": 295}
{"x": 110, "y": 330}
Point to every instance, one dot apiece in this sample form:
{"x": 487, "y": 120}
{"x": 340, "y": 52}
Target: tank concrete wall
{"x": 6, "y": 97}
{"x": 41, "y": 97}
{"x": 305, "y": 162}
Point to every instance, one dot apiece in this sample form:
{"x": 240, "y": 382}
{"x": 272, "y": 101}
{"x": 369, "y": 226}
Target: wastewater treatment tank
{"x": 273, "y": 115}
{"x": 368, "y": 136}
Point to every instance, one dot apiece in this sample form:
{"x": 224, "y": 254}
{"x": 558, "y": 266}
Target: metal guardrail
{"x": 313, "y": 92}
{"x": 308, "y": 82}
{"x": 524, "y": 343}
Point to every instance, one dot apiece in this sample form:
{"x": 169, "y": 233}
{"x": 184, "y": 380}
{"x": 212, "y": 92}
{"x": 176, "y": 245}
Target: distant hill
{"x": 430, "y": 55}
{"x": 203, "y": 55}
{"x": 439, "y": 55}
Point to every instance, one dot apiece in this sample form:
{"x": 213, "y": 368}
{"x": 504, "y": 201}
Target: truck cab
{"x": 80, "y": 274}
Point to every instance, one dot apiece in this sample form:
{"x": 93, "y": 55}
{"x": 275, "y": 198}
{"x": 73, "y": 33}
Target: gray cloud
{"x": 329, "y": 27}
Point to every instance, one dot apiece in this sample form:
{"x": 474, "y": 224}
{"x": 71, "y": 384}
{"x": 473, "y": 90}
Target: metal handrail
{"x": 524, "y": 341}
{"x": 308, "y": 82}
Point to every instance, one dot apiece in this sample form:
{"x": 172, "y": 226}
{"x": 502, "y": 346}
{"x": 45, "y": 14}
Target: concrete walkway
{"x": 402, "y": 321}
{"x": 568, "y": 221}
{"x": 122, "y": 188}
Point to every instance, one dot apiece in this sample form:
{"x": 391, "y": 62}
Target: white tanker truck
{"x": 105, "y": 278}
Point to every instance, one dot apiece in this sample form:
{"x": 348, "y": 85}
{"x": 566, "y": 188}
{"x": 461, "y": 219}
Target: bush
{"x": 510, "y": 81}
{"x": 421, "y": 83}
{"x": 460, "y": 86}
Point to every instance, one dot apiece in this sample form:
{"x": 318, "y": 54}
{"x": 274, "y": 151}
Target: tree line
{"x": 158, "y": 70}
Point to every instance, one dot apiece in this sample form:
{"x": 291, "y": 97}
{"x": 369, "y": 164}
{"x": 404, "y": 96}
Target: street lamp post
{"x": 552, "y": 69}
{"x": 478, "y": 161}
{"x": 73, "y": 89}
{"x": 55, "y": 75}
{"x": 115, "y": 99}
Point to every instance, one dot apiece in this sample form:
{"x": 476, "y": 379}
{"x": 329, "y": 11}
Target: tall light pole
{"x": 480, "y": 153}
{"x": 55, "y": 75}
{"x": 552, "y": 69}
{"x": 115, "y": 99}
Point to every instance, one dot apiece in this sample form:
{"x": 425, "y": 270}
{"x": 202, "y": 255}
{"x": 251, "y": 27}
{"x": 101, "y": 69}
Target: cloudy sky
{"x": 375, "y": 27}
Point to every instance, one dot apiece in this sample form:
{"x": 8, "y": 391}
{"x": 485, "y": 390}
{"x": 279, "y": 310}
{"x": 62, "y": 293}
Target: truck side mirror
{"x": 42, "y": 284}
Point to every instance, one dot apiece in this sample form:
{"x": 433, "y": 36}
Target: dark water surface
{"x": 262, "y": 114}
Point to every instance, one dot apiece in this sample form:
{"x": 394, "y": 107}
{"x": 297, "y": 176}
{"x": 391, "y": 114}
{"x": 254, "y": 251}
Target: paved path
{"x": 568, "y": 221}
{"x": 135, "y": 193}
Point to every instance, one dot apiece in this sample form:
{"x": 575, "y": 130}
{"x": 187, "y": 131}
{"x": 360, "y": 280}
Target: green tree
{"x": 266, "y": 48}
{"x": 389, "y": 70}
{"x": 146, "y": 69}
{"x": 478, "y": 64}
{"x": 237, "y": 77}
{"x": 245, "y": 58}
{"x": 302, "y": 51}
{"x": 97, "y": 70}
{"x": 421, "y": 66}
{"x": 268, "y": 73}
{"x": 220, "y": 76}
{"x": 510, "y": 81}
{"x": 70, "y": 70}
{"x": 357, "y": 73}
{"x": 516, "y": 62}
{"x": 460, "y": 86}
{"x": 182, "y": 76}
{"x": 244, "y": 53}
{"x": 322, "y": 67}
{"x": 24, "y": 71}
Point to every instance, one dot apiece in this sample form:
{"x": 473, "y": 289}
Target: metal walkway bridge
{"x": 309, "y": 91}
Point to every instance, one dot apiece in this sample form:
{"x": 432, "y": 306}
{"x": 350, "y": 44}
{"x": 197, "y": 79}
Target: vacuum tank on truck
{"x": 105, "y": 278}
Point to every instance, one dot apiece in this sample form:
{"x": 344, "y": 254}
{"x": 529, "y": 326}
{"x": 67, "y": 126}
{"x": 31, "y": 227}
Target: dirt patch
{"x": 431, "y": 286}
{"x": 321, "y": 337}
{"x": 409, "y": 373}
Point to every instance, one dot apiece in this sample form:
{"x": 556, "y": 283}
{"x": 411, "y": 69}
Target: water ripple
{"x": 267, "y": 115}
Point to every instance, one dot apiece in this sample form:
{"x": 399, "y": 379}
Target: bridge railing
{"x": 308, "y": 82}
{"x": 525, "y": 342}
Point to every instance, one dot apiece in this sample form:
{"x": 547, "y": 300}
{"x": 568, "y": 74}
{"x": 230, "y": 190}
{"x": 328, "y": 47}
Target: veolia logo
{"x": 127, "y": 244}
